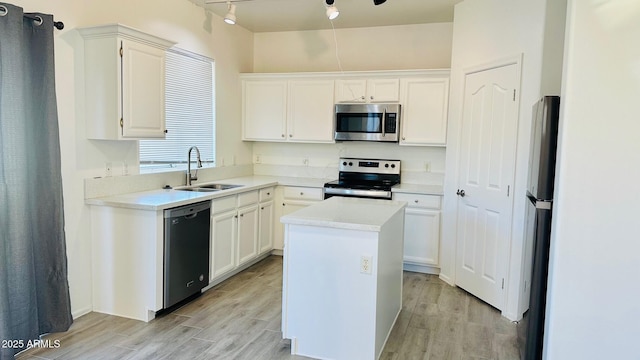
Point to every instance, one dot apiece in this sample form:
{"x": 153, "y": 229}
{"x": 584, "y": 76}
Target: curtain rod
{"x": 38, "y": 20}
{"x": 58, "y": 24}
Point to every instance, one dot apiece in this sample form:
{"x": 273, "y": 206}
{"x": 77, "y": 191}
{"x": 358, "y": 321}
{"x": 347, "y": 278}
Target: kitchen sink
{"x": 210, "y": 187}
{"x": 219, "y": 186}
{"x": 198, "y": 189}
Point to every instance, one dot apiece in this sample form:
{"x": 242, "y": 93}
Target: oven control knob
{"x": 344, "y": 163}
{"x": 350, "y": 163}
{"x": 393, "y": 166}
{"x": 386, "y": 165}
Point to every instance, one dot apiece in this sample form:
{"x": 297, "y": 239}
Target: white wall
{"x": 485, "y": 31}
{"x": 594, "y": 287}
{"x": 422, "y": 46}
{"x": 177, "y": 20}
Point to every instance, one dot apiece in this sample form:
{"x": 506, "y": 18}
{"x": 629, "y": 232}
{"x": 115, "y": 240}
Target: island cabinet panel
{"x": 288, "y": 200}
{"x": 342, "y": 277}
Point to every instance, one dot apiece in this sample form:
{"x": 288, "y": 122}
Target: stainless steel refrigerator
{"x": 542, "y": 164}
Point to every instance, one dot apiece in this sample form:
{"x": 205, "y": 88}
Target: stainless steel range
{"x": 364, "y": 178}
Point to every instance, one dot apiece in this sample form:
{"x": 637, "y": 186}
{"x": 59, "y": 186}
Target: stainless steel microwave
{"x": 367, "y": 122}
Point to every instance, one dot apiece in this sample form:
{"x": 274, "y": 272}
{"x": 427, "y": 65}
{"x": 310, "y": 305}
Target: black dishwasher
{"x": 186, "y": 251}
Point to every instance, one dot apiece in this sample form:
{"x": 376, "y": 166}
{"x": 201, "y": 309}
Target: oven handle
{"x": 352, "y": 192}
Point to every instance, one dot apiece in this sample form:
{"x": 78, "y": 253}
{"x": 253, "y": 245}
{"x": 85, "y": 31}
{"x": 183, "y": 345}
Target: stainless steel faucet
{"x": 193, "y": 177}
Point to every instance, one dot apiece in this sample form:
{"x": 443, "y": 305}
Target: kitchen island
{"x": 342, "y": 277}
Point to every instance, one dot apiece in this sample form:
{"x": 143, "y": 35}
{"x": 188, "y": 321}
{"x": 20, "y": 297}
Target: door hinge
{"x": 508, "y": 189}
{"x": 503, "y": 284}
{"x": 121, "y": 51}
{"x": 514, "y": 90}
{"x": 121, "y": 123}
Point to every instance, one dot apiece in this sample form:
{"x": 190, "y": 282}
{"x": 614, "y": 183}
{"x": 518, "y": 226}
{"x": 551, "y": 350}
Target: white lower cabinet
{"x": 290, "y": 199}
{"x": 247, "y": 233}
{"x": 421, "y": 231}
{"x": 223, "y": 254}
{"x": 266, "y": 220}
{"x": 238, "y": 231}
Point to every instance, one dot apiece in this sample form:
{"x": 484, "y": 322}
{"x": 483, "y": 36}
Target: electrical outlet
{"x": 305, "y": 161}
{"x": 427, "y": 166}
{"x": 258, "y": 159}
{"x": 366, "y": 263}
{"x": 222, "y": 161}
{"x": 108, "y": 169}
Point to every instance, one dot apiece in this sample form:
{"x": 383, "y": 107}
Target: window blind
{"x": 189, "y": 113}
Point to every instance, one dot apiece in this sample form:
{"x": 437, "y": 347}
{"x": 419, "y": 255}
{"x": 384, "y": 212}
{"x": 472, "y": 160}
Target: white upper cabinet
{"x": 124, "y": 83}
{"x": 311, "y": 111}
{"x": 381, "y": 90}
{"x": 424, "y": 110}
{"x": 264, "y": 110}
{"x": 288, "y": 110}
{"x": 299, "y": 107}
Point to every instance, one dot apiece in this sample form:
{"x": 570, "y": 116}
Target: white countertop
{"x": 346, "y": 213}
{"x": 162, "y": 199}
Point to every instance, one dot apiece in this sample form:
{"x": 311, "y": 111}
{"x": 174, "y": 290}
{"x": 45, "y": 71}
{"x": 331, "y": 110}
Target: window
{"x": 189, "y": 113}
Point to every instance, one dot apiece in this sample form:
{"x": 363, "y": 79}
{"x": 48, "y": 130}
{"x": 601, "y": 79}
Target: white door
{"x": 487, "y": 165}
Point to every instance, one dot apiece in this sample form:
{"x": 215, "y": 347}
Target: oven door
{"x": 367, "y": 122}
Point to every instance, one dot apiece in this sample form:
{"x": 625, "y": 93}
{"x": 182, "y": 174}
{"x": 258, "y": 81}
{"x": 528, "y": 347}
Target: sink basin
{"x": 219, "y": 186}
{"x": 199, "y": 189}
{"x": 210, "y": 187}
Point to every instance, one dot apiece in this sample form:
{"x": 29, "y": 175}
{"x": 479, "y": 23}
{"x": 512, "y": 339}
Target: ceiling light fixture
{"x": 332, "y": 11}
{"x": 230, "y": 18}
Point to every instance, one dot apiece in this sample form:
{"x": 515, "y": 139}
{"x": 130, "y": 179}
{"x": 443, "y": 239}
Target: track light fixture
{"x": 378, "y": 2}
{"x": 332, "y": 11}
{"x": 230, "y": 18}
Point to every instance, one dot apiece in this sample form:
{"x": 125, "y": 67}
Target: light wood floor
{"x": 240, "y": 319}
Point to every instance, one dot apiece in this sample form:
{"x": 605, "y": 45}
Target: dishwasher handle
{"x": 188, "y": 211}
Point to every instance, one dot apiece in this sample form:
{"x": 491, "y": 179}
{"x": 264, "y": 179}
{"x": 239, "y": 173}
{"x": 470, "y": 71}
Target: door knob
{"x": 460, "y": 193}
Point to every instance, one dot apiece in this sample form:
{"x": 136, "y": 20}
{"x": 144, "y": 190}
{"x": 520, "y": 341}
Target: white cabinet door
{"x": 383, "y": 90}
{"x": 311, "y": 108}
{"x": 351, "y": 91}
{"x": 223, "y": 235}
{"x": 424, "y": 111}
{"x": 143, "y": 85}
{"x": 421, "y": 236}
{"x": 264, "y": 110}
{"x": 367, "y": 90}
{"x": 124, "y": 83}
{"x": 265, "y": 233}
{"x": 247, "y": 234}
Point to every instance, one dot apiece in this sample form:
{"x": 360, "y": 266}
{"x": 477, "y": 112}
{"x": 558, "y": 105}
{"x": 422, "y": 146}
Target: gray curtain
{"x": 34, "y": 291}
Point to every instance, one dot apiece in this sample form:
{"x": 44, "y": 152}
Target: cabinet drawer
{"x": 419, "y": 200}
{"x": 266, "y": 194}
{"x": 248, "y": 198}
{"x": 302, "y": 193}
{"x": 223, "y": 204}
